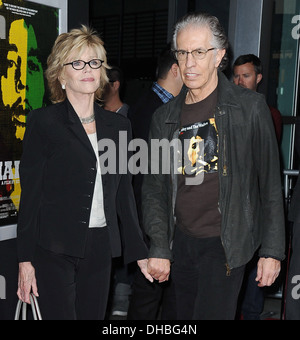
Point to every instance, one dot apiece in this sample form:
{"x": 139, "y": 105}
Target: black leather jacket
{"x": 250, "y": 198}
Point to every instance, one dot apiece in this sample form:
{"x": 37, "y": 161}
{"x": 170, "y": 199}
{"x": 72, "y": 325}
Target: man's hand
{"x": 27, "y": 281}
{"x": 268, "y": 270}
{"x": 159, "y": 269}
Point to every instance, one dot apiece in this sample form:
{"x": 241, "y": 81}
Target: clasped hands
{"x": 155, "y": 269}
{"x": 158, "y": 269}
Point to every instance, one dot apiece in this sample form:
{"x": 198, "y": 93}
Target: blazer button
{"x": 82, "y": 222}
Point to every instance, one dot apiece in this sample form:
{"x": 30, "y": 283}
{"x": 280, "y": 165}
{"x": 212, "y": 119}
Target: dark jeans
{"x": 252, "y": 296}
{"x": 203, "y": 290}
{"x": 73, "y": 288}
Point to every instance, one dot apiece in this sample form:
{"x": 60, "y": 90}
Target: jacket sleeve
{"x": 266, "y": 155}
{"x": 133, "y": 245}
{"x": 155, "y": 198}
{"x": 31, "y": 175}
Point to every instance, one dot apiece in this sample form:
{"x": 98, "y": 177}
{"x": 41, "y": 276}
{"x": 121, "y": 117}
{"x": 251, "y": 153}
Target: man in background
{"x": 247, "y": 73}
{"x": 147, "y": 298}
{"x": 114, "y": 92}
{"x": 122, "y": 274}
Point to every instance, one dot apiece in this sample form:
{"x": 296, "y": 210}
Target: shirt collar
{"x": 163, "y": 94}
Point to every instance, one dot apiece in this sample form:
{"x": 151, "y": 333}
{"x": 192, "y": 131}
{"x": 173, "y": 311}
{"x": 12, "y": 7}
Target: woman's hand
{"x": 26, "y": 282}
{"x": 143, "y": 264}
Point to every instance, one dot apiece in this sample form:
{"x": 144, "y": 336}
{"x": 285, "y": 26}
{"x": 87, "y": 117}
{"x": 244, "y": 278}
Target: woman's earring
{"x": 63, "y": 86}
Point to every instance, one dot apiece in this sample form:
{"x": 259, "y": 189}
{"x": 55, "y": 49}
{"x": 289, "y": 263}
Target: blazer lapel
{"x": 108, "y": 129}
{"x": 104, "y": 126}
{"x": 76, "y": 127}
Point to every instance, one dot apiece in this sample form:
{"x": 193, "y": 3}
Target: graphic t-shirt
{"x": 196, "y": 209}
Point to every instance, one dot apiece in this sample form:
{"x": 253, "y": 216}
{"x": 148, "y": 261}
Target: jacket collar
{"x": 226, "y": 91}
{"x": 175, "y": 106}
{"x": 103, "y": 124}
{"x": 225, "y": 95}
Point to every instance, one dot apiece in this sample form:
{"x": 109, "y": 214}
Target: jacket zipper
{"x": 228, "y": 270}
{"x": 225, "y": 173}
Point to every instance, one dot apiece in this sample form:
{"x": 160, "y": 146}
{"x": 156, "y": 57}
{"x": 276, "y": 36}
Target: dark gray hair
{"x": 219, "y": 38}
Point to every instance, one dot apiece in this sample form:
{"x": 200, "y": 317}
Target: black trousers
{"x": 203, "y": 289}
{"x": 251, "y": 297}
{"x": 151, "y": 301}
{"x": 9, "y": 267}
{"x": 72, "y": 288}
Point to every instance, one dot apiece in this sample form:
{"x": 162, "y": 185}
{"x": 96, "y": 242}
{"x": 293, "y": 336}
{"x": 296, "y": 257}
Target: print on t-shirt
{"x": 200, "y": 150}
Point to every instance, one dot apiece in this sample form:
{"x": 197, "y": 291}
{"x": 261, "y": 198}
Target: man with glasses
{"x": 226, "y": 198}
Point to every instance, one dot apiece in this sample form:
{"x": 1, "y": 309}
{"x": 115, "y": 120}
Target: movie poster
{"x": 27, "y": 33}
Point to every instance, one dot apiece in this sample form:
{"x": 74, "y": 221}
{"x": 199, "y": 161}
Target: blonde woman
{"x": 68, "y": 222}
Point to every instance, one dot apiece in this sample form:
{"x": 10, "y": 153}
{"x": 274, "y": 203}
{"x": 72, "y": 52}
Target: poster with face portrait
{"x": 27, "y": 33}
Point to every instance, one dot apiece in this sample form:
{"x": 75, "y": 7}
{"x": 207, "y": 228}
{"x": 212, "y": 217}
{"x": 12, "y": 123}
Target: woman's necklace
{"x": 88, "y": 120}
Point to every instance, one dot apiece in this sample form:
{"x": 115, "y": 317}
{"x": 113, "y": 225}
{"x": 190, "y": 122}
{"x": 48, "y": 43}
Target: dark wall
{"x": 78, "y": 13}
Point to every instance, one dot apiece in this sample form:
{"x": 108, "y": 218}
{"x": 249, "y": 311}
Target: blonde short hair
{"x": 66, "y": 44}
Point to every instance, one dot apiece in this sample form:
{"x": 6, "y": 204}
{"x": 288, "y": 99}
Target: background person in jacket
{"x": 68, "y": 228}
{"x": 231, "y": 203}
{"x": 293, "y": 288}
{"x": 122, "y": 273}
{"x": 152, "y": 300}
{"x": 247, "y": 73}
{"x": 113, "y": 92}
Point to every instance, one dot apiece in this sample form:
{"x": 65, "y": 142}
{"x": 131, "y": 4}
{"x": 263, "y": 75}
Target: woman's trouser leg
{"x": 74, "y": 288}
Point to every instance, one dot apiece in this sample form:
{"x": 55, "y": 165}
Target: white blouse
{"x": 97, "y": 218}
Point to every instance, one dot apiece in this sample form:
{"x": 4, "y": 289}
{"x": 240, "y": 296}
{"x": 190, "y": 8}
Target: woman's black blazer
{"x": 57, "y": 174}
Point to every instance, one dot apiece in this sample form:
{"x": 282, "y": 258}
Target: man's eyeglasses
{"x": 198, "y": 54}
{"x": 80, "y": 64}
